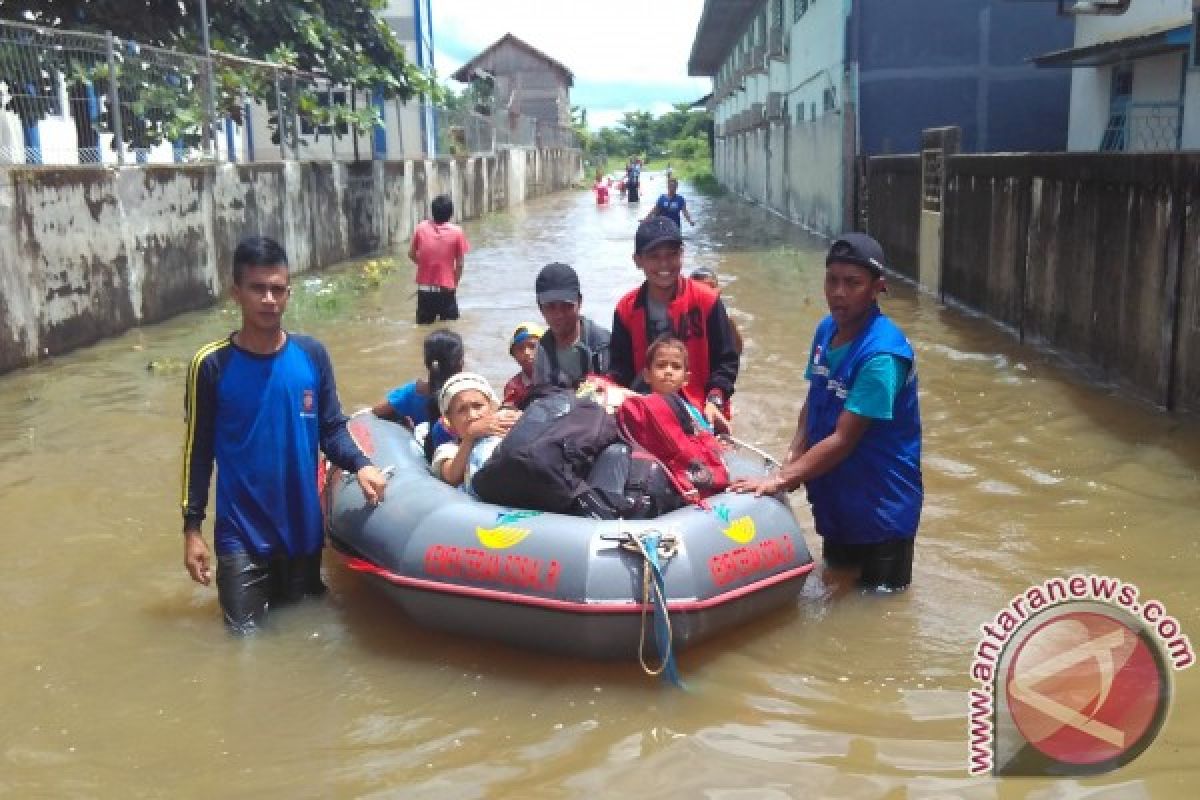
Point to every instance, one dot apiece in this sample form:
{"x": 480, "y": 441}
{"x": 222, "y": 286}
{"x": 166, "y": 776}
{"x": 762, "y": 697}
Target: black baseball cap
{"x": 557, "y": 283}
{"x": 655, "y": 231}
{"x": 857, "y": 248}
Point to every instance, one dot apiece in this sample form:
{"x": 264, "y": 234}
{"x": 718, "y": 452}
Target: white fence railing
{"x": 69, "y": 97}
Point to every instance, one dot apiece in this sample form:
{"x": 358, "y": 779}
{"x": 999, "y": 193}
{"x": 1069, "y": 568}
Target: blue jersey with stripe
{"x": 262, "y": 419}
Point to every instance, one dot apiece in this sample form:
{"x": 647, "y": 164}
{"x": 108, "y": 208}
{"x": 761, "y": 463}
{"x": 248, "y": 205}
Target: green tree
{"x": 343, "y": 39}
{"x": 638, "y": 127}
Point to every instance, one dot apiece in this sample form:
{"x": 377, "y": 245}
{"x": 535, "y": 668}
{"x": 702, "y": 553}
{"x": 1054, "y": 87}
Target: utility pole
{"x": 210, "y": 127}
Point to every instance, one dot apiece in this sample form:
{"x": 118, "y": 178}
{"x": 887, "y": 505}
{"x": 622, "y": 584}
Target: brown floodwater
{"x": 119, "y": 681}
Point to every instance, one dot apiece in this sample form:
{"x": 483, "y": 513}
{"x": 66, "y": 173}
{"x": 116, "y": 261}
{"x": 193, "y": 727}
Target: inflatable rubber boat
{"x": 560, "y": 583}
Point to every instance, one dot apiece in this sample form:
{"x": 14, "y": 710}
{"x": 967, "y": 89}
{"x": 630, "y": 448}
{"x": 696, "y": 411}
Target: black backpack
{"x": 543, "y": 462}
{"x": 627, "y": 482}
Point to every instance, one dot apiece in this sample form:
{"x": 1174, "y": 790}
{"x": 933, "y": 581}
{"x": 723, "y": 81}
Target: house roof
{"x": 1132, "y": 46}
{"x": 722, "y": 22}
{"x": 468, "y": 70}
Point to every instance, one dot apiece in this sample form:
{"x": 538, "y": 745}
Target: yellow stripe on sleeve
{"x": 190, "y": 410}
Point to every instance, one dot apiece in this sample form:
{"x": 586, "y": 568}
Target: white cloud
{"x": 626, "y": 55}
{"x": 609, "y": 117}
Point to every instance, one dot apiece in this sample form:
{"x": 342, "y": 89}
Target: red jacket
{"x": 698, "y": 319}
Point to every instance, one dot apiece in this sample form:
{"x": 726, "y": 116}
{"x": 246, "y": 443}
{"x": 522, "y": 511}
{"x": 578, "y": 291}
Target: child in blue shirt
{"x": 415, "y": 403}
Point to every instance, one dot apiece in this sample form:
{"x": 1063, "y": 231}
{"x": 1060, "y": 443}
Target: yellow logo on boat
{"x": 741, "y": 530}
{"x": 500, "y": 538}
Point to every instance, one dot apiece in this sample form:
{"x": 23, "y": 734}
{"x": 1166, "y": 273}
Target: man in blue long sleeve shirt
{"x": 260, "y": 403}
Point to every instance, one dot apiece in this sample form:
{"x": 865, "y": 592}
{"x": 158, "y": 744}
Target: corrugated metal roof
{"x": 1126, "y": 48}
{"x": 721, "y": 23}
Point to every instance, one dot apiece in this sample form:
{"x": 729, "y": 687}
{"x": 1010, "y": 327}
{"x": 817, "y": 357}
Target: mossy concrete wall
{"x": 1094, "y": 255}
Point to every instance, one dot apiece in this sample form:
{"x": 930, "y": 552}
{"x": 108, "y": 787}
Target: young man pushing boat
{"x": 857, "y": 445}
{"x": 260, "y": 403}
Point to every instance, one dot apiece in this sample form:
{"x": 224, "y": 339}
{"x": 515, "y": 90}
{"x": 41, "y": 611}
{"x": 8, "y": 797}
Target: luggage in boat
{"x": 662, "y": 425}
{"x": 626, "y": 482}
{"x": 542, "y": 464}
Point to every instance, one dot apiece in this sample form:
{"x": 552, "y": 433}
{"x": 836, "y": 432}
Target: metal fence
{"x": 1144, "y": 127}
{"x": 461, "y": 133}
{"x": 70, "y": 97}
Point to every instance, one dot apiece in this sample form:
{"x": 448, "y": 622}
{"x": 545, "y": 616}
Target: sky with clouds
{"x": 626, "y": 55}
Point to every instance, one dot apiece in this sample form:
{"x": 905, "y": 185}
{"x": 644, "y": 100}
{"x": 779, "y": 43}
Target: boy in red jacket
{"x": 667, "y": 302}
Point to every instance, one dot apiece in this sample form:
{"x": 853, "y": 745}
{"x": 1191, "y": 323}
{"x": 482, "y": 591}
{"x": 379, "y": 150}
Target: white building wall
{"x": 406, "y": 137}
{"x": 1191, "y": 112}
{"x": 1142, "y": 16}
{"x": 1090, "y": 87}
{"x": 12, "y": 138}
{"x": 1154, "y": 79}
{"x": 816, "y": 56}
{"x": 793, "y": 166}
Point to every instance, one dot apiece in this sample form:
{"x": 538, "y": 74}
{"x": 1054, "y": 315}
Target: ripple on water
{"x": 991, "y": 486}
{"x": 949, "y": 467}
{"x": 1040, "y": 477}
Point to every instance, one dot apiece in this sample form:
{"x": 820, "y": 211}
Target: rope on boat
{"x": 769, "y": 459}
{"x": 656, "y": 549}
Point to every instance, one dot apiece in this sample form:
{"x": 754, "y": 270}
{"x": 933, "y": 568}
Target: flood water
{"x": 119, "y": 681}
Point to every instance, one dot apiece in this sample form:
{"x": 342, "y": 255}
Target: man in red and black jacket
{"x": 667, "y": 302}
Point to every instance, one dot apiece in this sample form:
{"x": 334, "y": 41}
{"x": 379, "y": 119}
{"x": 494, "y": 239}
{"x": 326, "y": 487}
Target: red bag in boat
{"x": 662, "y": 425}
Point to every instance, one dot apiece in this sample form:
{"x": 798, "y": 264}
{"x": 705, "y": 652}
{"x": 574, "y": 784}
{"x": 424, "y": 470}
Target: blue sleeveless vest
{"x": 875, "y": 494}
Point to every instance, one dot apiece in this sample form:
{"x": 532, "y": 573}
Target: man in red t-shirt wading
{"x": 439, "y": 250}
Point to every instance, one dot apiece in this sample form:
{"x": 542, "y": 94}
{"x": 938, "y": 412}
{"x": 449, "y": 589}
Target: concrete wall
{"x": 894, "y": 209}
{"x": 1097, "y": 256}
{"x": 792, "y": 169}
{"x": 91, "y": 252}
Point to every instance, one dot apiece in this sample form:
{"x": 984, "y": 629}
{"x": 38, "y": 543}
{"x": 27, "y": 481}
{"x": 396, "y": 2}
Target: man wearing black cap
{"x": 667, "y": 302}
{"x": 857, "y": 446}
{"x": 573, "y": 346}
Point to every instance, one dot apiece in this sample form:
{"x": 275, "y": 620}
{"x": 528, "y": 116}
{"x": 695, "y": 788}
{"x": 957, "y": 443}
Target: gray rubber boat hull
{"x": 558, "y": 583}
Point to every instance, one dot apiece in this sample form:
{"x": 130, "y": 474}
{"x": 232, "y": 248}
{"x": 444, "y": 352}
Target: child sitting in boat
{"x": 523, "y": 348}
{"x": 473, "y": 415}
{"x": 670, "y": 428}
{"x": 666, "y": 373}
{"x": 415, "y": 404}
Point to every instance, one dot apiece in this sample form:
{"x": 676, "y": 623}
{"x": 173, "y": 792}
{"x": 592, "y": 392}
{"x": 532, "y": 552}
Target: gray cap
{"x": 857, "y": 248}
{"x": 557, "y": 283}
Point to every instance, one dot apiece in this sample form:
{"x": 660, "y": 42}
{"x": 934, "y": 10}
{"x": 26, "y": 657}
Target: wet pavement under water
{"x": 119, "y": 680}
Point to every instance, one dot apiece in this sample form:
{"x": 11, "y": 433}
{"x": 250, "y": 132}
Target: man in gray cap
{"x": 857, "y": 446}
{"x": 573, "y": 346}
